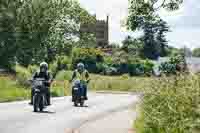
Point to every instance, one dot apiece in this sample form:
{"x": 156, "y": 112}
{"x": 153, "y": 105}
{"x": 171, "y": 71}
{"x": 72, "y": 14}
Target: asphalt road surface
{"x": 62, "y": 116}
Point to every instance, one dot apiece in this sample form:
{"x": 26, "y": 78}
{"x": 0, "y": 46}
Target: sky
{"x": 184, "y": 23}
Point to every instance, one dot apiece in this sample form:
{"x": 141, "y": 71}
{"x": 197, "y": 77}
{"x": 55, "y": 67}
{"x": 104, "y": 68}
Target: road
{"x": 61, "y": 116}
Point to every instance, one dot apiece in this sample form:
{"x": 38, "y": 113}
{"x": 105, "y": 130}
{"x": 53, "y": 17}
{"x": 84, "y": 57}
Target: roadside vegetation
{"x": 33, "y": 31}
{"x": 170, "y": 105}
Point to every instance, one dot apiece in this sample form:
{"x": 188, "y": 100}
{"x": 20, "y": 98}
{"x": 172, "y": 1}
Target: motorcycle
{"x": 39, "y": 97}
{"x": 77, "y": 93}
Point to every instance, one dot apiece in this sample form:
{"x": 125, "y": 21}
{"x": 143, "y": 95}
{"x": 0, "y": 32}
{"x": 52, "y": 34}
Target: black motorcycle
{"x": 39, "y": 94}
{"x": 78, "y": 93}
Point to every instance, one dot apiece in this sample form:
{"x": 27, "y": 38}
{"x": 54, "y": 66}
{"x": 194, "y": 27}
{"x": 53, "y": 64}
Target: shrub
{"x": 174, "y": 65}
{"x": 63, "y": 63}
{"x": 63, "y": 75}
{"x": 33, "y": 68}
{"x": 90, "y": 57}
{"x": 170, "y": 105}
{"x": 148, "y": 67}
{"x": 101, "y": 68}
{"x": 167, "y": 68}
{"x": 10, "y": 90}
{"x": 53, "y": 68}
{"x": 22, "y": 75}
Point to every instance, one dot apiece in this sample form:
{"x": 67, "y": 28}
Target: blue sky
{"x": 184, "y": 23}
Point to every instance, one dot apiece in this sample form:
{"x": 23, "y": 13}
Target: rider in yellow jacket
{"x": 83, "y": 75}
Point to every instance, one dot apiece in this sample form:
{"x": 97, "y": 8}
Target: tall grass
{"x": 10, "y": 90}
{"x": 120, "y": 83}
{"x": 171, "y": 105}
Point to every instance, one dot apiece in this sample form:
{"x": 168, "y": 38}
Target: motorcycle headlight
{"x": 37, "y": 90}
{"x": 75, "y": 88}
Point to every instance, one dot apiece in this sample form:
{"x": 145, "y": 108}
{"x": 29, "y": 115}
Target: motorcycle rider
{"x": 83, "y": 75}
{"x": 43, "y": 73}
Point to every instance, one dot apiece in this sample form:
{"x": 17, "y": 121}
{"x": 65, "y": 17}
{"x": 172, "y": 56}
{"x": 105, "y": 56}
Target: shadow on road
{"x": 46, "y": 112}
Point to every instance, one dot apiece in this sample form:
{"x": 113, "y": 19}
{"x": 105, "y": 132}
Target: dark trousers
{"x": 85, "y": 90}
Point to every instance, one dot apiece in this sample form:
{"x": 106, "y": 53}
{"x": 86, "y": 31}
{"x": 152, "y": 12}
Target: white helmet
{"x": 44, "y": 65}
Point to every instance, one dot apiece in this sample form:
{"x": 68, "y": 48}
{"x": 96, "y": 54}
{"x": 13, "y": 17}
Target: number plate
{"x": 38, "y": 83}
{"x": 75, "y": 88}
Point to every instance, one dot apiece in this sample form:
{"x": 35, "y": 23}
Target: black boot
{"x": 48, "y": 98}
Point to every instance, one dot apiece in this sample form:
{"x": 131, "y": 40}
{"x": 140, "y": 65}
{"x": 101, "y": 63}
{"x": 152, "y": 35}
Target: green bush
{"x": 33, "y": 68}
{"x": 64, "y": 75}
{"x": 63, "y": 63}
{"x": 11, "y": 90}
{"x": 170, "y": 105}
{"x": 174, "y": 65}
{"x": 167, "y": 68}
{"x": 89, "y": 56}
{"x": 53, "y": 68}
{"x": 22, "y": 75}
{"x": 148, "y": 67}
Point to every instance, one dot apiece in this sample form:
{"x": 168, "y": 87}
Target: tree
{"x": 36, "y": 30}
{"x": 143, "y": 15}
{"x": 132, "y": 46}
{"x": 144, "y": 10}
{"x": 7, "y": 32}
{"x": 87, "y": 40}
{"x": 162, "y": 28}
{"x": 196, "y": 52}
{"x": 151, "y": 48}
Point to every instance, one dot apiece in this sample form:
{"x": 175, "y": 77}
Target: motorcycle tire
{"x": 35, "y": 103}
{"x": 82, "y": 103}
{"x": 75, "y": 103}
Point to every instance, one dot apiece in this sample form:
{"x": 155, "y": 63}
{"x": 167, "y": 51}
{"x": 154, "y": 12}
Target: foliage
{"x": 146, "y": 10}
{"x": 33, "y": 68}
{"x": 143, "y": 15}
{"x": 196, "y": 52}
{"x": 22, "y": 75}
{"x": 7, "y": 32}
{"x": 11, "y": 90}
{"x": 89, "y": 56}
{"x": 132, "y": 46}
{"x": 53, "y": 67}
{"x": 170, "y": 105}
{"x": 87, "y": 40}
{"x": 64, "y": 75}
{"x": 174, "y": 65}
{"x": 168, "y": 68}
{"x": 63, "y": 62}
{"x": 35, "y": 30}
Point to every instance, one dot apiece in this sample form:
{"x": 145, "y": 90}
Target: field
{"x": 11, "y": 90}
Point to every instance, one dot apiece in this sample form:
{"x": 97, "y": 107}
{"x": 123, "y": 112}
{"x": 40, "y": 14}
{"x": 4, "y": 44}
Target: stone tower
{"x": 101, "y": 31}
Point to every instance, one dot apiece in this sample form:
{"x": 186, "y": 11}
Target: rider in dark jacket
{"x": 43, "y": 73}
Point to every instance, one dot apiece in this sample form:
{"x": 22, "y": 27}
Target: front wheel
{"x": 41, "y": 107}
{"x": 82, "y": 103}
{"x": 75, "y": 103}
{"x": 35, "y": 103}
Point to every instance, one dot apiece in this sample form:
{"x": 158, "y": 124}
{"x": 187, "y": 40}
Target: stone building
{"x": 100, "y": 30}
